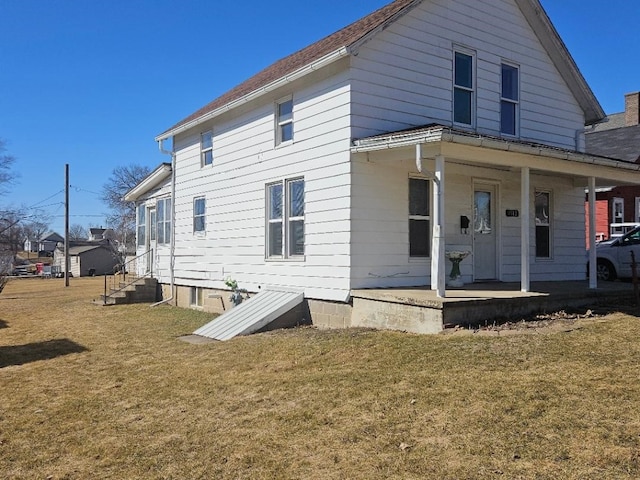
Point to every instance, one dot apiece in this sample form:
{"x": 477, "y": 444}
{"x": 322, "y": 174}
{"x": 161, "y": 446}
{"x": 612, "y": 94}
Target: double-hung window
{"x": 142, "y": 225}
{"x": 463, "y": 89}
{"x": 163, "y": 220}
{"x": 199, "y": 215}
{"x": 419, "y": 218}
{"x": 284, "y": 121}
{"x": 509, "y": 100}
{"x": 285, "y": 219}
{"x": 543, "y": 224}
{"x": 206, "y": 148}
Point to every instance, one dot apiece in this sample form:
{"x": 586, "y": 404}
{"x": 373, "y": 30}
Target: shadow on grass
{"x": 33, "y": 352}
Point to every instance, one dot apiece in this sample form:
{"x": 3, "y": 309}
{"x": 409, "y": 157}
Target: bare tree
{"x": 122, "y": 218}
{"x": 6, "y": 174}
{"x": 77, "y": 232}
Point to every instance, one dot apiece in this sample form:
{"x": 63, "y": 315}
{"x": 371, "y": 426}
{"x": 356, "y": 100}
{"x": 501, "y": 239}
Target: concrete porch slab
{"x": 420, "y": 310}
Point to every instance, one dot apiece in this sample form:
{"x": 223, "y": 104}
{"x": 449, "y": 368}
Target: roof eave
{"x": 562, "y": 59}
{"x": 284, "y": 80}
{"x": 161, "y": 173}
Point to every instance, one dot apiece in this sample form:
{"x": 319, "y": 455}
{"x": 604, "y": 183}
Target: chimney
{"x": 632, "y": 109}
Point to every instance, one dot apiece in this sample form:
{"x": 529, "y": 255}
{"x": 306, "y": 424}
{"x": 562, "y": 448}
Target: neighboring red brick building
{"x": 617, "y": 137}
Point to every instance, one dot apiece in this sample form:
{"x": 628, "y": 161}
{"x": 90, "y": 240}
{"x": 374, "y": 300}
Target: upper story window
{"x": 163, "y": 220}
{"x": 142, "y": 225}
{"x": 285, "y": 219}
{"x": 284, "y": 121}
{"x": 199, "y": 215}
{"x": 509, "y": 100}
{"x": 419, "y": 218}
{"x": 206, "y": 148}
{"x": 463, "y": 89}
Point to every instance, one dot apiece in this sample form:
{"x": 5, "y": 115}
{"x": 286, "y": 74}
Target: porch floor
{"x": 482, "y": 302}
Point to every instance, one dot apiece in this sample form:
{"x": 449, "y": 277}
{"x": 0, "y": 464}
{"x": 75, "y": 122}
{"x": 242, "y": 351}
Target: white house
{"x": 357, "y": 162}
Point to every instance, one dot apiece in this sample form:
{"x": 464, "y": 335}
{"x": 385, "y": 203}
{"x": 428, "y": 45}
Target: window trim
{"x": 472, "y": 90}
{"x": 285, "y": 220}
{"x": 163, "y": 222}
{"x": 512, "y": 101}
{"x": 280, "y": 122}
{"x": 141, "y": 230}
{"x": 204, "y": 151}
{"x": 203, "y": 215}
{"x": 427, "y": 218}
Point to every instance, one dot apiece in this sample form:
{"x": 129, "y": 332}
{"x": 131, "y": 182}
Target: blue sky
{"x": 91, "y": 83}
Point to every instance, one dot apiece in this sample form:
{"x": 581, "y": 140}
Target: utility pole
{"x": 66, "y": 225}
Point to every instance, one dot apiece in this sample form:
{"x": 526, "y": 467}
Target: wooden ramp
{"x": 252, "y": 314}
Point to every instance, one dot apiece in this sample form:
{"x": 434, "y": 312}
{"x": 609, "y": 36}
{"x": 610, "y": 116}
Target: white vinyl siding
{"x": 403, "y": 77}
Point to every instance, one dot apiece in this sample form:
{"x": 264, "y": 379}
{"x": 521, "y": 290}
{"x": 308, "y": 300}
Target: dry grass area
{"x": 109, "y": 392}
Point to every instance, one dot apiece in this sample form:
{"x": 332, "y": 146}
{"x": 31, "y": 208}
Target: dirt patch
{"x": 554, "y": 322}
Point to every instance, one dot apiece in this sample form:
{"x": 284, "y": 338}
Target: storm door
{"x": 485, "y": 233}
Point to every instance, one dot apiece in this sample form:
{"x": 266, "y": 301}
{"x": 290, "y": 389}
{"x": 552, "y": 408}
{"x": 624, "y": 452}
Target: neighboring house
{"x": 618, "y": 137}
{"x": 357, "y": 162}
{"x": 87, "y": 258}
{"x": 46, "y": 244}
{"x": 99, "y": 233}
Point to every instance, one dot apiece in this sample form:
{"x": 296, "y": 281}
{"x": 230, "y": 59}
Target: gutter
{"x": 295, "y": 75}
{"x": 172, "y": 244}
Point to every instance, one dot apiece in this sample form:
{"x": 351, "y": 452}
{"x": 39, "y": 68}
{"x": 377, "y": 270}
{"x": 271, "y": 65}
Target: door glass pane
{"x": 482, "y": 212}
{"x": 152, "y": 222}
{"x": 542, "y": 208}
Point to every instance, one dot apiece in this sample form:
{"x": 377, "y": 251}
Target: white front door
{"x": 151, "y": 238}
{"x": 485, "y": 232}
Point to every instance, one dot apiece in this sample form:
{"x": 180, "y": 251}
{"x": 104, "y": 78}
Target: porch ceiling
{"x": 493, "y": 152}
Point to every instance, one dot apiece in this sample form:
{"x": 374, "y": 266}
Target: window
{"x": 463, "y": 89}
{"x": 637, "y": 209}
{"x": 419, "y": 218}
{"x": 543, "y": 224}
{"x": 199, "y": 210}
{"x": 152, "y": 224}
{"x": 285, "y": 219}
{"x": 142, "y": 224}
{"x": 284, "y": 121}
{"x": 163, "y": 221}
{"x": 197, "y": 297}
{"x": 618, "y": 210}
{"x": 509, "y": 100}
{"x": 206, "y": 147}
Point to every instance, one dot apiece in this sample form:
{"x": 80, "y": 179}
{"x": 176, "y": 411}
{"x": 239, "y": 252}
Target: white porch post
{"x": 593, "y": 260}
{"x": 438, "y": 246}
{"x": 525, "y": 221}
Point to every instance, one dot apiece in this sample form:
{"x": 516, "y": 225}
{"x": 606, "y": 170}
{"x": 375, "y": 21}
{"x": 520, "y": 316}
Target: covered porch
{"x": 421, "y": 310}
{"x": 467, "y": 165}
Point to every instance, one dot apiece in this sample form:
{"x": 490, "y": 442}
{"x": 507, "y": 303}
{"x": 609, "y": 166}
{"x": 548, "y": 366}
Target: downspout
{"x": 172, "y": 243}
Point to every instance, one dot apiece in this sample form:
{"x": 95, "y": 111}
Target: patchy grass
{"x": 109, "y": 392}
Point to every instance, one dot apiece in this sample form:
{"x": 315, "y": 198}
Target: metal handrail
{"x": 120, "y": 276}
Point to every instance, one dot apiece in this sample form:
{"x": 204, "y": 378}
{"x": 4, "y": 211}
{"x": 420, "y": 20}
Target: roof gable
{"x": 357, "y": 32}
